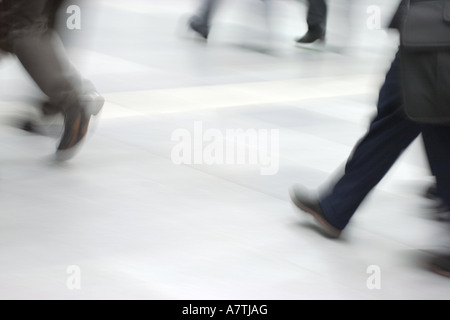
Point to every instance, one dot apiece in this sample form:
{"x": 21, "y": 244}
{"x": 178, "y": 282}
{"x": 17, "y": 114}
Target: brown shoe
{"x": 310, "y": 204}
{"x": 440, "y": 264}
{"x": 76, "y": 123}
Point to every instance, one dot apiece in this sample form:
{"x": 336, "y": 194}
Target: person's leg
{"x": 201, "y": 21}
{"x": 317, "y": 15}
{"x": 37, "y": 48}
{"x": 316, "y": 20}
{"x": 49, "y": 69}
{"x": 437, "y": 145}
{"x": 207, "y": 9}
{"x": 389, "y": 134}
{"x": 48, "y": 66}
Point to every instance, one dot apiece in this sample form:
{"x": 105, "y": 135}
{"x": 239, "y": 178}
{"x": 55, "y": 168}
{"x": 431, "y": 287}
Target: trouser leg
{"x": 437, "y": 145}
{"x": 317, "y": 15}
{"x": 207, "y": 10}
{"x": 389, "y": 134}
{"x": 48, "y": 67}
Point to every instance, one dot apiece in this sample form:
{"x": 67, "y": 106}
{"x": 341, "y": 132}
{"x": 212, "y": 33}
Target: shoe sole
{"x": 325, "y": 226}
{"x": 198, "y": 31}
{"x": 318, "y": 41}
{"x": 440, "y": 271}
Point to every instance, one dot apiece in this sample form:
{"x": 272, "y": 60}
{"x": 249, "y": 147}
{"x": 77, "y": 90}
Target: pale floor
{"x": 138, "y": 226}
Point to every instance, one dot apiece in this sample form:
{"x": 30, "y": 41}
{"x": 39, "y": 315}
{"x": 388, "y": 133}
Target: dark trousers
{"x": 389, "y": 134}
{"x": 207, "y": 9}
{"x": 317, "y": 15}
{"x": 437, "y": 145}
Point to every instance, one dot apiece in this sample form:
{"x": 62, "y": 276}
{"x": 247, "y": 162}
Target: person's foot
{"x": 311, "y": 36}
{"x": 441, "y": 212}
{"x": 440, "y": 264}
{"x": 44, "y": 124}
{"x": 304, "y": 201}
{"x": 29, "y": 126}
{"x": 199, "y": 26}
{"x": 432, "y": 192}
{"x": 76, "y": 123}
{"x": 49, "y": 109}
{"x": 439, "y": 209}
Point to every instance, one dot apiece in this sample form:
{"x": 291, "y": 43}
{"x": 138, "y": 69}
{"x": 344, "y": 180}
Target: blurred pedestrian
{"x": 316, "y": 19}
{"x": 389, "y": 134}
{"x": 200, "y": 22}
{"x": 25, "y": 32}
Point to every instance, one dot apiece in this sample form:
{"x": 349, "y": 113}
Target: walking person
{"x": 25, "y": 33}
{"x": 316, "y": 19}
{"x": 389, "y": 134}
{"x": 201, "y": 21}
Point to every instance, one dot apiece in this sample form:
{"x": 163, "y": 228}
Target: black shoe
{"x": 439, "y": 209}
{"x": 432, "y": 192}
{"x": 49, "y": 124}
{"x": 49, "y": 109}
{"x": 312, "y": 36}
{"x": 29, "y": 126}
{"x": 310, "y": 204}
{"x": 441, "y": 213}
{"x": 198, "y": 25}
{"x": 441, "y": 265}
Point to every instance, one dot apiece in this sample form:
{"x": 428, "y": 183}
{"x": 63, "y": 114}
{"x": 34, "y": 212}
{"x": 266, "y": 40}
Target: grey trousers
{"x": 43, "y": 56}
